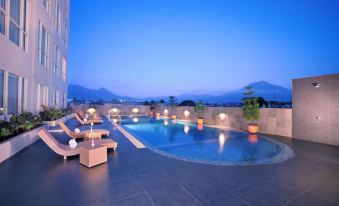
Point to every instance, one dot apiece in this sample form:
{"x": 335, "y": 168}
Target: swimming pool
{"x": 185, "y": 141}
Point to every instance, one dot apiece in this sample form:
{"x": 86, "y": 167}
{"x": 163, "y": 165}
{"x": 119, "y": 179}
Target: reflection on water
{"x": 174, "y": 121}
{"x": 186, "y": 128}
{"x": 165, "y": 122}
{"x": 200, "y": 127}
{"x": 135, "y": 119}
{"x": 222, "y": 140}
{"x": 253, "y": 138}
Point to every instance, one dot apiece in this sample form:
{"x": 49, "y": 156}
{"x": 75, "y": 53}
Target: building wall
{"x": 272, "y": 121}
{"x": 42, "y": 84}
{"x": 316, "y": 109}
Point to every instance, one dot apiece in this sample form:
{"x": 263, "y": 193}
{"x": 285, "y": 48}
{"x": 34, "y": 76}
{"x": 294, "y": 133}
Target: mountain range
{"x": 262, "y": 89}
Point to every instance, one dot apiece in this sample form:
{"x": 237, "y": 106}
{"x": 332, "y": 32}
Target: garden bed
{"x": 14, "y": 144}
{"x": 54, "y": 123}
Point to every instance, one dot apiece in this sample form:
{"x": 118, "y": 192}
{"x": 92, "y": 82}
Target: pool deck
{"x": 37, "y": 176}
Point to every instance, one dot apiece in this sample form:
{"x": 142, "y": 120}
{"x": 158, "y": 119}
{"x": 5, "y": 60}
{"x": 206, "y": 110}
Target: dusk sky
{"x": 171, "y": 47}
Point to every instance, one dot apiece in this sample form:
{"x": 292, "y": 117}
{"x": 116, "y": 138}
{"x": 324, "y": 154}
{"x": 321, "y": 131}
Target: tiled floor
{"x": 37, "y": 176}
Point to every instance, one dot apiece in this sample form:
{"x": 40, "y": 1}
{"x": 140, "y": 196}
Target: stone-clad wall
{"x": 316, "y": 109}
{"x": 272, "y": 121}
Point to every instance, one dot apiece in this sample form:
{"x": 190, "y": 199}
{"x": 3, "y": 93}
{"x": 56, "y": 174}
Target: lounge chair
{"x": 82, "y": 116}
{"x": 82, "y": 134}
{"x": 65, "y": 150}
{"x": 83, "y": 122}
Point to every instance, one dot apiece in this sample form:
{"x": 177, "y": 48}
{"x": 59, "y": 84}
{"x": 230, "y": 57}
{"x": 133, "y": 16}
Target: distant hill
{"x": 263, "y": 89}
{"x": 80, "y": 92}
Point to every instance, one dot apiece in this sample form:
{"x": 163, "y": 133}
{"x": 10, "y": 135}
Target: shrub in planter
{"x": 251, "y": 109}
{"x": 200, "y": 110}
{"x": 51, "y": 114}
{"x": 24, "y": 122}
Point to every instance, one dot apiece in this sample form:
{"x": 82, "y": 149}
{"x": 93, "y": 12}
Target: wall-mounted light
{"x": 135, "y": 110}
{"x": 165, "y": 112}
{"x": 316, "y": 84}
{"x": 317, "y": 117}
{"x": 222, "y": 116}
{"x": 186, "y": 114}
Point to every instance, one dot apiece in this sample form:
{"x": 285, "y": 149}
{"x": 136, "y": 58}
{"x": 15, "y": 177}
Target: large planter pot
{"x": 200, "y": 121}
{"x": 174, "y": 116}
{"x": 157, "y": 114}
{"x": 54, "y": 123}
{"x": 252, "y": 128}
{"x": 13, "y": 145}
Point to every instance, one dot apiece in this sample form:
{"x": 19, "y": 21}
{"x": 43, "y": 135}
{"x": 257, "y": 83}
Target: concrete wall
{"x": 272, "y": 121}
{"x": 22, "y": 60}
{"x": 316, "y": 109}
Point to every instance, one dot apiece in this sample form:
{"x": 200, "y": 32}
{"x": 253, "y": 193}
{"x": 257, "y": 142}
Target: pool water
{"x": 184, "y": 140}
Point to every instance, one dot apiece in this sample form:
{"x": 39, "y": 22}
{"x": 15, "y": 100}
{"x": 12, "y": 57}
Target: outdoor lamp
{"x": 115, "y": 110}
{"x": 166, "y": 112}
{"x": 135, "y": 110}
{"x": 77, "y": 130}
{"x": 186, "y": 114}
{"x": 91, "y": 111}
{"x": 222, "y": 116}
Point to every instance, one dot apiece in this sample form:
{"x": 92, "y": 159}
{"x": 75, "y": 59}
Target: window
{"x": 23, "y": 101}
{"x": 24, "y": 30}
{"x": 2, "y": 16}
{"x": 64, "y": 69}
{"x": 57, "y": 19}
{"x": 13, "y": 95}
{"x": 1, "y": 90}
{"x": 43, "y": 45}
{"x": 14, "y": 25}
{"x": 56, "y": 60}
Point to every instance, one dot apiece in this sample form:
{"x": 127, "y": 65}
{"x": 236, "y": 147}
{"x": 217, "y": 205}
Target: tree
{"x": 261, "y": 101}
{"x": 146, "y": 103}
{"x": 162, "y": 101}
{"x": 200, "y": 109}
{"x": 187, "y": 103}
{"x": 172, "y": 103}
{"x": 250, "y": 106}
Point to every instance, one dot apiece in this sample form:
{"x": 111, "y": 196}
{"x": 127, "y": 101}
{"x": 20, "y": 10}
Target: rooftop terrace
{"x": 37, "y": 176}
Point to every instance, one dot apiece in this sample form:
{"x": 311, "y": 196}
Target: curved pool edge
{"x": 286, "y": 152}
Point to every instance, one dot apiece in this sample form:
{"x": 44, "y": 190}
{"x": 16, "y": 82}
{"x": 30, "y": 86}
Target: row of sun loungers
{"x": 66, "y": 150}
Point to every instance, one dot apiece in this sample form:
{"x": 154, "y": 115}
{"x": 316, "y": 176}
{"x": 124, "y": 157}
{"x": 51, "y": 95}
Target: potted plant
{"x": 251, "y": 110}
{"x": 200, "y": 110}
{"x": 173, "y": 105}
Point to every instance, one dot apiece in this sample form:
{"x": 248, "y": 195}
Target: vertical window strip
{"x": 13, "y": 93}
{"x": 2, "y": 16}
{"x": 14, "y": 25}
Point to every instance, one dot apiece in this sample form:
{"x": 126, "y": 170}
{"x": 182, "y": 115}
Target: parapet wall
{"x": 272, "y": 121}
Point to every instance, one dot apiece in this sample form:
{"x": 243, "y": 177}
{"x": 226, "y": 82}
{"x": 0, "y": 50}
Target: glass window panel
{"x": 1, "y": 89}
{"x": 15, "y": 10}
{"x": 23, "y": 95}
{"x": 2, "y": 22}
{"x": 43, "y": 46}
{"x": 14, "y": 33}
{"x": 2, "y": 4}
{"x": 12, "y": 94}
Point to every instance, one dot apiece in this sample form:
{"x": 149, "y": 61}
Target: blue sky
{"x": 171, "y": 47}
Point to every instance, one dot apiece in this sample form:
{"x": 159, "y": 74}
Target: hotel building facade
{"x": 34, "y": 39}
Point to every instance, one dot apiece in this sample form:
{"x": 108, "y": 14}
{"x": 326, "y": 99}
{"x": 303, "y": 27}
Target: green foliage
{"x": 6, "y": 130}
{"x": 187, "y": 103}
{"x": 250, "y": 106}
{"x": 50, "y": 114}
{"x": 154, "y": 106}
{"x": 172, "y": 103}
{"x": 200, "y": 109}
{"x": 24, "y": 122}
